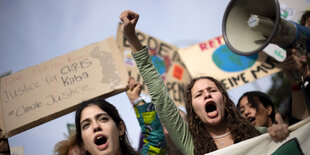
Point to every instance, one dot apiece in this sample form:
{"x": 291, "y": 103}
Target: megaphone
{"x": 250, "y": 25}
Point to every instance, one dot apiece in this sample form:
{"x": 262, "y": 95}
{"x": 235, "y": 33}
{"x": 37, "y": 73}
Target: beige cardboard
{"x": 53, "y": 88}
{"x": 199, "y": 62}
{"x": 175, "y": 76}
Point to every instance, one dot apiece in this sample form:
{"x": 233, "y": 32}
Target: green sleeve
{"x": 154, "y": 141}
{"x": 261, "y": 129}
{"x": 165, "y": 107}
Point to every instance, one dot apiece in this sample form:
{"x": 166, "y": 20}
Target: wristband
{"x": 295, "y": 87}
{"x": 137, "y": 101}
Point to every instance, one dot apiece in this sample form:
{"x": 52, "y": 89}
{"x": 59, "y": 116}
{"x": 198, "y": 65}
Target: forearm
{"x": 299, "y": 104}
{"x": 134, "y": 42}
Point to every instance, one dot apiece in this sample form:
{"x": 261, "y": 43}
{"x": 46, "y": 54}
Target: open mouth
{"x": 210, "y": 108}
{"x": 100, "y": 140}
{"x": 251, "y": 119}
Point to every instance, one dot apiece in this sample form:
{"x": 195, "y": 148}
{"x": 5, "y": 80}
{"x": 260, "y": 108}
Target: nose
{"x": 247, "y": 112}
{"x": 207, "y": 94}
{"x": 96, "y": 127}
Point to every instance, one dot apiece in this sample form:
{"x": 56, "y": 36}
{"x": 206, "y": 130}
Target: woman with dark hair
{"x": 258, "y": 108}
{"x": 213, "y": 121}
{"x": 100, "y": 129}
{"x": 305, "y": 20}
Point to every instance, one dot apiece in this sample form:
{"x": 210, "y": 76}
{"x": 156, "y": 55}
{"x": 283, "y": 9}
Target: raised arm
{"x": 296, "y": 69}
{"x": 165, "y": 107}
{"x": 133, "y": 92}
{"x": 154, "y": 141}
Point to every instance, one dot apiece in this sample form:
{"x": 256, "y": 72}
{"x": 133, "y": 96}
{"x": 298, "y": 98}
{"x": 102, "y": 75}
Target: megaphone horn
{"x": 250, "y": 25}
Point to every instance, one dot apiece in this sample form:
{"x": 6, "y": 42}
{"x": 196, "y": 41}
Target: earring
{"x": 121, "y": 138}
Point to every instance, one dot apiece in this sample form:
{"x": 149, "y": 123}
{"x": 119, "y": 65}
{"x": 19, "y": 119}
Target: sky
{"x": 35, "y": 31}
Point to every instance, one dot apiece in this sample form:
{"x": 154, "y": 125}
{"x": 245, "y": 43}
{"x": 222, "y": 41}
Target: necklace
{"x": 221, "y": 136}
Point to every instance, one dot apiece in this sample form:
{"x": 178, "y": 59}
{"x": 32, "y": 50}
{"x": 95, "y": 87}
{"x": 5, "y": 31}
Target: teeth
{"x": 99, "y": 137}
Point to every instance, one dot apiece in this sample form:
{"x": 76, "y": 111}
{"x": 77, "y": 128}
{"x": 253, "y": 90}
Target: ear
{"x": 269, "y": 110}
{"x": 121, "y": 128}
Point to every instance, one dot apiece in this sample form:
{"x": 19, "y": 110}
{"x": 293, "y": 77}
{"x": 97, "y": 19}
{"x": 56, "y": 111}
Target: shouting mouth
{"x": 211, "y": 109}
{"x": 101, "y": 142}
{"x": 251, "y": 120}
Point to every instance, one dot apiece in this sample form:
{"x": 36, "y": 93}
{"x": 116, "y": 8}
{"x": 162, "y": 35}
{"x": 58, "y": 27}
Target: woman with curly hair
{"x": 210, "y": 109}
{"x": 213, "y": 121}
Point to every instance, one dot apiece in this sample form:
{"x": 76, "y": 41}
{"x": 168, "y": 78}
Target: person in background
{"x": 152, "y": 132}
{"x": 68, "y": 147}
{"x": 144, "y": 110}
{"x": 296, "y": 69}
{"x": 258, "y": 109}
{"x": 213, "y": 120}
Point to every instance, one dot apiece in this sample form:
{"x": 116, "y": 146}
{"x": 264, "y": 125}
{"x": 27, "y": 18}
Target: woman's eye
{"x": 85, "y": 125}
{"x": 197, "y": 95}
{"x": 103, "y": 118}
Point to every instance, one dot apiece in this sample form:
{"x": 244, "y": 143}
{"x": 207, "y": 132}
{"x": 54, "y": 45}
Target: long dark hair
{"x": 113, "y": 113}
{"x": 239, "y": 127}
{"x": 253, "y": 96}
{"x": 304, "y": 17}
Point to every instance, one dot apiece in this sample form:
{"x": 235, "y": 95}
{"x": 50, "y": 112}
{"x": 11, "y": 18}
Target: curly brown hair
{"x": 239, "y": 127}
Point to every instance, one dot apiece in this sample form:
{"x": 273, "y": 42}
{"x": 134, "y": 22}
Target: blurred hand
{"x": 134, "y": 89}
{"x": 278, "y": 132}
{"x": 295, "y": 66}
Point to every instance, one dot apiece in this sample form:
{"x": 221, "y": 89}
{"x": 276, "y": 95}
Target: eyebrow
{"x": 208, "y": 88}
{"x": 96, "y": 116}
{"x": 242, "y": 106}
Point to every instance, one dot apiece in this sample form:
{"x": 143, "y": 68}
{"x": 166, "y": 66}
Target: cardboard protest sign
{"x": 53, "y": 88}
{"x": 166, "y": 60}
{"x": 213, "y": 58}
